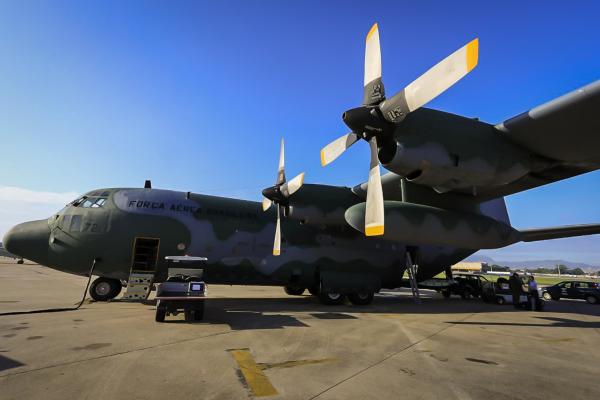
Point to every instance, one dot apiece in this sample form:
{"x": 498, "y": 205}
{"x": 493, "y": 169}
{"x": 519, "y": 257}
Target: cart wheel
{"x": 161, "y": 312}
{"x": 199, "y": 313}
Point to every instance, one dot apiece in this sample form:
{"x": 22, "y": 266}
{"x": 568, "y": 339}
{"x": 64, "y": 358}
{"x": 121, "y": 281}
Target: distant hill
{"x": 532, "y": 264}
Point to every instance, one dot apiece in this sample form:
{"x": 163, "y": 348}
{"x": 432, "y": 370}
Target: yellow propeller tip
{"x": 472, "y": 54}
{"x": 276, "y": 252}
{"x": 373, "y": 29}
{"x": 376, "y": 230}
{"x": 323, "y": 160}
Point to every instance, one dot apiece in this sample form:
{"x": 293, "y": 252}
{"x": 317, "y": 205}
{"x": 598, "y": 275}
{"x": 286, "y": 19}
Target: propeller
{"x": 376, "y": 120}
{"x": 279, "y": 195}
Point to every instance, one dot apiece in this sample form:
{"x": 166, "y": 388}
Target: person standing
{"x": 533, "y": 296}
{"x": 515, "y": 284}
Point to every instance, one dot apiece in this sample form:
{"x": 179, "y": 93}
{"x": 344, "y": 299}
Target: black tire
{"x": 446, "y": 293}
{"x": 547, "y": 296}
{"x": 466, "y": 293}
{"x": 294, "y": 290}
{"x": 199, "y": 312}
{"x": 189, "y": 315}
{"x": 331, "y": 299}
{"x": 591, "y": 299}
{"x": 20, "y": 261}
{"x": 104, "y": 289}
{"x": 500, "y": 300}
{"x": 555, "y": 298}
{"x": 361, "y": 299}
{"x": 313, "y": 290}
{"x": 161, "y": 312}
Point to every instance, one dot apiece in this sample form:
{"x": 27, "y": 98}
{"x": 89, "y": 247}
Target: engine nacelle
{"x": 321, "y": 205}
{"x": 449, "y": 152}
{"x": 416, "y": 224}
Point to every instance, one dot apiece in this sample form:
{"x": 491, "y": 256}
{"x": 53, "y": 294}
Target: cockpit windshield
{"x": 89, "y": 202}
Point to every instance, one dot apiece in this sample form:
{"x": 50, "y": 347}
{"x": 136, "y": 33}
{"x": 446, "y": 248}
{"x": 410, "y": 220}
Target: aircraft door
{"x": 145, "y": 255}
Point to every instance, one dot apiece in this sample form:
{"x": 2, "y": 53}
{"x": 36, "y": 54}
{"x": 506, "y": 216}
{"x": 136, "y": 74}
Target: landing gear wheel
{"x": 161, "y": 312}
{"x": 104, "y": 289}
{"x": 547, "y": 296}
{"x": 331, "y": 299}
{"x": 294, "y": 290}
{"x": 591, "y": 299}
{"x": 361, "y": 299}
{"x": 313, "y": 290}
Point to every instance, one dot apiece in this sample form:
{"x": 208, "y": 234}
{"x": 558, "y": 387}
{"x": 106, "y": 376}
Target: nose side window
{"x": 65, "y": 222}
{"x": 75, "y": 223}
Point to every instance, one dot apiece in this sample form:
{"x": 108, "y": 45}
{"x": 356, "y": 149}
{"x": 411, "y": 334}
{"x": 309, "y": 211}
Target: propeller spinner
{"x": 279, "y": 194}
{"x": 375, "y": 120}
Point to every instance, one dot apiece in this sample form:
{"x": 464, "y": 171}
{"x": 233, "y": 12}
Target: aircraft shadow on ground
{"x": 276, "y": 313}
{"x": 555, "y": 323}
{"x": 8, "y": 363}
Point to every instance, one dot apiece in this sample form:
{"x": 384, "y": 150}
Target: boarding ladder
{"x": 139, "y": 285}
{"x": 412, "y": 268}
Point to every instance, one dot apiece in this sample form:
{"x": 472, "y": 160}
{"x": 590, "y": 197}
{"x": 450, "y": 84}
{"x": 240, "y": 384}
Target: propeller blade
{"x": 374, "y": 216}
{"x": 281, "y": 170}
{"x": 373, "y": 91}
{"x": 334, "y": 149}
{"x": 432, "y": 83}
{"x": 266, "y": 204}
{"x": 291, "y": 187}
{"x": 277, "y": 242}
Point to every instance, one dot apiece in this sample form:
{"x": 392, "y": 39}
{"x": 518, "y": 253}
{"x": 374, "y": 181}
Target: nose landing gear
{"x": 104, "y": 289}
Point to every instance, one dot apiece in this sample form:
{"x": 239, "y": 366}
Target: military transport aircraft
{"x": 441, "y": 201}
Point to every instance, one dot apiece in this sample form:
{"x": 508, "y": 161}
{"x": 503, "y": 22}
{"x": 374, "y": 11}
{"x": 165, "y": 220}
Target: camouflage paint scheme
{"x": 235, "y": 235}
{"x": 444, "y": 195}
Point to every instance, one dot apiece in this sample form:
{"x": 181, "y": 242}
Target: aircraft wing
{"x": 565, "y": 131}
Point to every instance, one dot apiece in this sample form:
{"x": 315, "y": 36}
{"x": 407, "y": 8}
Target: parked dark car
{"x": 588, "y": 291}
{"x": 468, "y": 285}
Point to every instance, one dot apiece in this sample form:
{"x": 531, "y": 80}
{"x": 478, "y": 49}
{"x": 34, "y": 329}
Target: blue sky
{"x": 196, "y": 95}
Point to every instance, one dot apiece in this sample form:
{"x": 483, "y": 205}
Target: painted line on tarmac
{"x": 253, "y": 373}
{"x": 394, "y": 354}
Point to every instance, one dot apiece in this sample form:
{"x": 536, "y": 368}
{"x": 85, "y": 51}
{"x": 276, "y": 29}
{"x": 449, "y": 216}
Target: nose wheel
{"x": 104, "y": 289}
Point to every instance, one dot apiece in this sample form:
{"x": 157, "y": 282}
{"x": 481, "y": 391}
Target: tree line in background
{"x": 564, "y": 270}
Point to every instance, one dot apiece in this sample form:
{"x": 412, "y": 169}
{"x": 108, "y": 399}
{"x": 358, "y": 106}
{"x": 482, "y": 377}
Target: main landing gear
{"x": 333, "y": 298}
{"x": 358, "y": 299}
{"x": 104, "y": 289}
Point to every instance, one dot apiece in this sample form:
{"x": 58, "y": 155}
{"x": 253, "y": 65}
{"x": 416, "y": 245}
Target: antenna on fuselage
{"x": 148, "y": 184}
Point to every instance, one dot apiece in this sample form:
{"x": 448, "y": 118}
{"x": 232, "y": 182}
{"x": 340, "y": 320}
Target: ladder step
{"x": 139, "y": 286}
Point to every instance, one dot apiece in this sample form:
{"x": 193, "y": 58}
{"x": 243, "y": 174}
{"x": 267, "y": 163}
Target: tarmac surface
{"x": 259, "y": 342}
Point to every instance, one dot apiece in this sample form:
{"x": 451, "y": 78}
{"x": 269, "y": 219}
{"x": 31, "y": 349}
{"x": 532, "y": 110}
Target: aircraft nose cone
{"x": 28, "y": 240}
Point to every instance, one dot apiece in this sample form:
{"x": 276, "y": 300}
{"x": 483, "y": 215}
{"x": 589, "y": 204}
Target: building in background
{"x": 465, "y": 266}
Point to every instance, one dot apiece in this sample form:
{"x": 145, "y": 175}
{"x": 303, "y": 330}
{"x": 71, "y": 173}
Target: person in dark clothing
{"x": 516, "y": 285}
